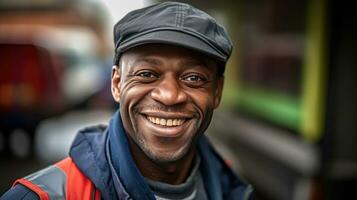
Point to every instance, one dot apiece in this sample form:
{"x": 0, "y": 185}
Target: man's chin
{"x": 166, "y": 157}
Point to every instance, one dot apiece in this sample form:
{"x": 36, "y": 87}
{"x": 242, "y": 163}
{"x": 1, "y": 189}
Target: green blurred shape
{"x": 276, "y": 107}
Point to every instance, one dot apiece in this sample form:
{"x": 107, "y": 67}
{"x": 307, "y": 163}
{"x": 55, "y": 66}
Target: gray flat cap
{"x": 172, "y": 23}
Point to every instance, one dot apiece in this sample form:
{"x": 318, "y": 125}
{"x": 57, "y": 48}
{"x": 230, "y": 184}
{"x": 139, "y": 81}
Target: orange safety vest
{"x": 62, "y": 180}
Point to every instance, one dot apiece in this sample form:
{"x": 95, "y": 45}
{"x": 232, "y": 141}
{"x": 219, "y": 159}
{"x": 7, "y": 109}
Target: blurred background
{"x": 287, "y": 123}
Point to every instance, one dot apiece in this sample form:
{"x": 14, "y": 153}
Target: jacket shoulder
{"x": 88, "y": 152}
{"x": 91, "y": 133}
{"x": 220, "y": 177}
{"x": 59, "y": 181}
{"x": 46, "y": 183}
{"x": 20, "y": 192}
{"x": 234, "y": 186}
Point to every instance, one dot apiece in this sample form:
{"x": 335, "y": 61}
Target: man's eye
{"x": 146, "y": 75}
{"x": 193, "y": 78}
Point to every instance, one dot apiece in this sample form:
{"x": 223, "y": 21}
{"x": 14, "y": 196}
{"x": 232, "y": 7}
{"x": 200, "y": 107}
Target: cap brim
{"x": 175, "y": 38}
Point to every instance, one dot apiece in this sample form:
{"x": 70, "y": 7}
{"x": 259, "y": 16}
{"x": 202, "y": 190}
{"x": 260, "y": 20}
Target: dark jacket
{"x": 116, "y": 175}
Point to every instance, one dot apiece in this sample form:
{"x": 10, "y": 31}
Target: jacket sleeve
{"x": 19, "y": 192}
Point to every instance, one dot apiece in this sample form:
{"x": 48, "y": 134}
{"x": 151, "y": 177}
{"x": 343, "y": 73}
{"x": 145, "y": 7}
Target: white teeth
{"x": 166, "y": 122}
{"x": 163, "y": 122}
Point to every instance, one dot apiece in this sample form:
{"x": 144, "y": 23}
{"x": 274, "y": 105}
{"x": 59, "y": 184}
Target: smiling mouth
{"x": 166, "y": 122}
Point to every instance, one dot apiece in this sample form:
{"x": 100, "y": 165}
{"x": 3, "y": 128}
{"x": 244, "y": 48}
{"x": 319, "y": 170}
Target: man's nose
{"x": 169, "y": 92}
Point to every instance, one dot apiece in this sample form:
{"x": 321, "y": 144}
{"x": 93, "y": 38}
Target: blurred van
{"x": 45, "y": 72}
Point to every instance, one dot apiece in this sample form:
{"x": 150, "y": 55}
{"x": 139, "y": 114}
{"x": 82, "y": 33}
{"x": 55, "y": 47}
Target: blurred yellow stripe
{"x": 314, "y": 71}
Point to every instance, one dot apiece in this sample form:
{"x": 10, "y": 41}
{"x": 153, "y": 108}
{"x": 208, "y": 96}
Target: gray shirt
{"x": 192, "y": 188}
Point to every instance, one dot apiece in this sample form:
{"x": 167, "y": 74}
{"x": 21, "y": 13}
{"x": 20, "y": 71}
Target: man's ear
{"x": 218, "y": 92}
{"x": 116, "y": 83}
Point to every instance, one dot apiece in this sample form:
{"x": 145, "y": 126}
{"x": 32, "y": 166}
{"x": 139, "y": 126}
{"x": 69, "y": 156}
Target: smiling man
{"x": 168, "y": 79}
{"x": 167, "y": 95}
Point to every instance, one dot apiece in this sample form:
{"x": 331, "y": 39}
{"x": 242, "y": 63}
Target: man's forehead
{"x": 156, "y": 53}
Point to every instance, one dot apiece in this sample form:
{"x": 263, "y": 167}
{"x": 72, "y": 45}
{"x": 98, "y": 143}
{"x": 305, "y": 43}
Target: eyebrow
{"x": 148, "y": 60}
{"x": 157, "y": 62}
{"x": 194, "y": 62}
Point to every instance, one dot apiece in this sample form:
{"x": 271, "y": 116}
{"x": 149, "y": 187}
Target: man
{"x": 168, "y": 79}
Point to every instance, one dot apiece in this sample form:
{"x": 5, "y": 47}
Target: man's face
{"x": 167, "y": 96}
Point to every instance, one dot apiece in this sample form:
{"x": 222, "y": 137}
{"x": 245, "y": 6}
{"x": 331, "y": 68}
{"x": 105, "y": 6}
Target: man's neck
{"x": 172, "y": 173}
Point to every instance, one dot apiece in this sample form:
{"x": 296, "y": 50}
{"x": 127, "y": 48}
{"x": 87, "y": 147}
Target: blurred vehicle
{"x": 43, "y": 74}
{"x": 52, "y": 60}
{"x": 29, "y": 85}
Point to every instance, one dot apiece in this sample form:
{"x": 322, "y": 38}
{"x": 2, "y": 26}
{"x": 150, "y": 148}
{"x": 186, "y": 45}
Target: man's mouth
{"x": 166, "y": 125}
{"x": 166, "y": 121}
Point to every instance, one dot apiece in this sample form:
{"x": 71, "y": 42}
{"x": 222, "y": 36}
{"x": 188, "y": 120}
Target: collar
{"x": 122, "y": 161}
{"x": 180, "y": 191}
{"x": 128, "y": 175}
